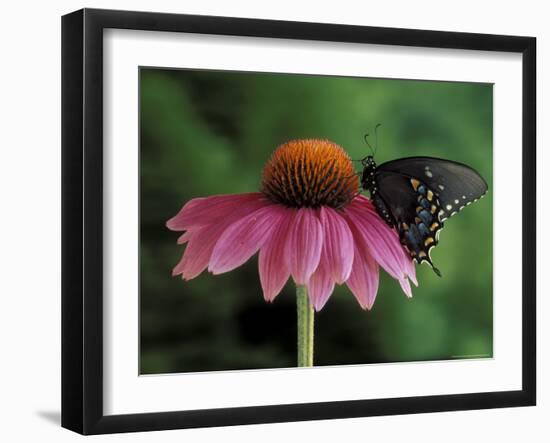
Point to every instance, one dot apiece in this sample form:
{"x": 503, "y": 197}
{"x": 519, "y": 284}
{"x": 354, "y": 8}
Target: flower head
{"x": 309, "y": 222}
{"x": 310, "y": 174}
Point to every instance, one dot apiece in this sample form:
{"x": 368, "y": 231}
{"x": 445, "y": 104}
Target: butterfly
{"x": 416, "y": 195}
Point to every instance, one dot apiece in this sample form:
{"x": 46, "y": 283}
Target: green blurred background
{"x": 210, "y": 132}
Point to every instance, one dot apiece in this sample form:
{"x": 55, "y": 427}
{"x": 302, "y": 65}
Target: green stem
{"x": 305, "y": 327}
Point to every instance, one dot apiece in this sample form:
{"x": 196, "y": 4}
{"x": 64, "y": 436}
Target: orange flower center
{"x": 310, "y": 173}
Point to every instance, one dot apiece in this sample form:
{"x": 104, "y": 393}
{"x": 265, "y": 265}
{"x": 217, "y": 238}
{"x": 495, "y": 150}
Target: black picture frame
{"x": 82, "y": 218}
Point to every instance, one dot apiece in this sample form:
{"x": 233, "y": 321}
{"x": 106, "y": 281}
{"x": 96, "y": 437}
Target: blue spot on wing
{"x": 426, "y": 217}
{"x": 423, "y": 229}
{"x": 425, "y": 203}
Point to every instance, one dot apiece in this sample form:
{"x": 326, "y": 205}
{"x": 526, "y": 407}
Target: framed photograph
{"x": 269, "y": 221}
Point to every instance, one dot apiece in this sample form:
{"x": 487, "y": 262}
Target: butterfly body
{"x": 416, "y": 195}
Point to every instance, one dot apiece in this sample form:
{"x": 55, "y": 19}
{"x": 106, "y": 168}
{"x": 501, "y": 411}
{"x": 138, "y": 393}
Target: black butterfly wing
{"x": 413, "y": 209}
{"x": 455, "y": 184}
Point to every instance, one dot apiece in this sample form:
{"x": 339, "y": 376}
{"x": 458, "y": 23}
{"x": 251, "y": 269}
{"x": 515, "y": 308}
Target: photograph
{"x": 295, "y": 220}
{"x": 275, "y": 222}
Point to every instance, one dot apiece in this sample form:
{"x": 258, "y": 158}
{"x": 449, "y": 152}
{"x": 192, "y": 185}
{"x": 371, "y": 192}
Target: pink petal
{"x": 243, "y": 238}
{"x": 365, "y": 202}
{"x": 337, "y": 245}
{"x": 382, "y": 241}
{"x": 273, "y": 267}
{"x": 364, "y": 278}
{"x": 198, "y": 251}
{"x": 184, "y": 238}
{"x": 320, "y": 287}
{"x": 304, "y": 245}
{"x": 201, "y": 241}
{"x": 405, "y": 285}
{"x": 205, "y": 211}
{"x": 411, "y": 272}
{"x": 402, "y": 254}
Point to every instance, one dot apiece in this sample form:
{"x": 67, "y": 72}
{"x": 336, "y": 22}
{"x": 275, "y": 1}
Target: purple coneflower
{"x": 309, "y": 222}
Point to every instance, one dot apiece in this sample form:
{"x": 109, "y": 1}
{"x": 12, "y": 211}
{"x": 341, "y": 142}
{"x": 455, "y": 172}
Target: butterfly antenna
{"x": 366, "y": 138}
